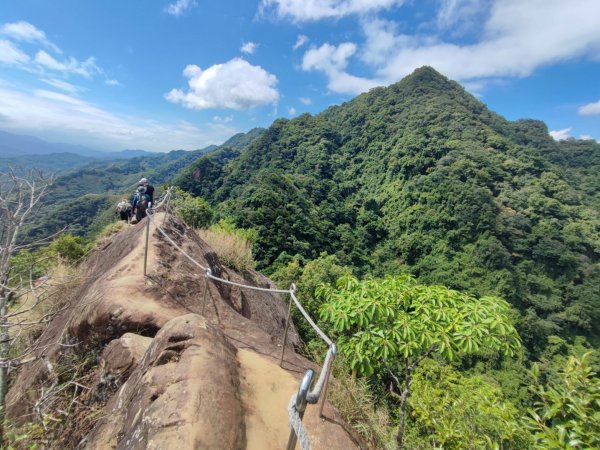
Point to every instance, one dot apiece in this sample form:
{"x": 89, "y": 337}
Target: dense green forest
{"x": 420, "y": 177}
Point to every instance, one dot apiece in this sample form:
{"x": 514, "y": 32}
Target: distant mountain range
{"x": 16, "y": 145}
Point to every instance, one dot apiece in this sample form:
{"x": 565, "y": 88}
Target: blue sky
{"x": 170, "y": 74}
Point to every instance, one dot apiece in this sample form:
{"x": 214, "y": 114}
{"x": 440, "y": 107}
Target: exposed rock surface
{"x": 184, "y": 363}
{"x": 183, "y": 394}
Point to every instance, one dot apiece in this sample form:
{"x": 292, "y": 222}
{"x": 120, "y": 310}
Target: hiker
{"x": 124, "y": 210}
{"x": 149, "y": 190}
{"x": 140, "y": 202}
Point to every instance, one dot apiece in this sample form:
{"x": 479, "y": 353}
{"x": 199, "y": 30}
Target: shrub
{"x": 231, "y": 245}
{"x": 193, "y": 210}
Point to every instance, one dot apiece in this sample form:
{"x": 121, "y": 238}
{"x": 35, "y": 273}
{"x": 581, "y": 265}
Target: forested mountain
{"x": 420, "y": 177}
{"x": 83, "y": 200}
{"x": 51, "y": 163}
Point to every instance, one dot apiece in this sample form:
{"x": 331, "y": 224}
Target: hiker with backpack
{"x": 140, "y": 202}
{"x": 149, "y": 190}
{"x": 124, "y": 210}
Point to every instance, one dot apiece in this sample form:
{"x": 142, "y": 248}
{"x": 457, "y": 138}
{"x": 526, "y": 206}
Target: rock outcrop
{"x": 182, "y": 362}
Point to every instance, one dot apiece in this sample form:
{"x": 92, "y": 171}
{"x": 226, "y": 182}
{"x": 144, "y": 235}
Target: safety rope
{"x": 246, "y": 286}
{"x": 315, "y": 394}
{"x": 297, "y": 425}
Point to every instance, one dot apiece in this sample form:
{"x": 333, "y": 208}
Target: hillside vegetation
{"x": 420, "y": 177}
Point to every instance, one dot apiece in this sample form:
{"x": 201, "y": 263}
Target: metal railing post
{"x": 329, "y": 369}
{"x": 300, "y": 405}
{"x": 287, "y": 326}
{"x": 147, "y": 238}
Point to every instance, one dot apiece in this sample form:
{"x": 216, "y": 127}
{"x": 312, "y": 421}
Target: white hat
{"x": 143, "y": 180}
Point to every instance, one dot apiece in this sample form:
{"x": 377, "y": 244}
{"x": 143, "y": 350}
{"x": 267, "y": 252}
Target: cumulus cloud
{"x": 516, "y": 38}
{"x": 112, "y": 82}
{"x": 11, "y": 54}
{"x": 560, "y": 135}
{"x": 235, "y": 84}
{"x": 591, "y": 109}
{"x": 333, "y": 60}
{"x": 24, "y": 31}
{"x": 586, "y": 137}
{"x": 249, "y": 47}
{"x": 64, "y": 118}
{"x": 291, "y": 111}
{"x": 300, "y": 41}
{"x": 305, "y": 101}
{"x": 179, "y": 7}
{"x": 312, "y": 10}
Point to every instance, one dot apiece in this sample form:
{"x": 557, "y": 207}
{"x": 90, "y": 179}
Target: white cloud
{"x": 24, "y": 31}
{"x": 112, "y": 82}
{"x": 291, "y": 111}
{"x": 63, "y": 118}
{"x": 179, "y": 7}
{"x": 86, "y": 69}
{"x": 305, "y": 101}
{"x": 62, "y": 85}
{"x": 249, "y": 47}
{"x": 461, "y": 13}
{"x": 333, "y": 60}
{"x": 559, "y": 135}
{"x": 300, "y": 41}
{"x": 235, "y": 84}
{"x": 591, "y": 109}
{"x": 517, "y": 37}
{"x": 10, "y": 54}
{"x": 220, "y": 119}
{"x": 312, "y": 10}
{"x": 586, "y": 137}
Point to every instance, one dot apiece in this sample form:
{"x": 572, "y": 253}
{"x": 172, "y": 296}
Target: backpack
{"x": 142, "y": 201}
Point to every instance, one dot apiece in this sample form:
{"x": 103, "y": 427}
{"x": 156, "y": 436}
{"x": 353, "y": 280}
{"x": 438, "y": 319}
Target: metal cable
{"x": 174, "y": 244}
{"x": 246, "y": 286}
{"x": 323, "y": 336}
{"x": 314, "y": 395}
{"x": 297, "y": 425}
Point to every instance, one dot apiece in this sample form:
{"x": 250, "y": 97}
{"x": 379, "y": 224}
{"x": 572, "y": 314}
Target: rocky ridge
{"x": 174, "y": 368}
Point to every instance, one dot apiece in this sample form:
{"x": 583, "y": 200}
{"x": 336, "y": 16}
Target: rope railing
{"x": 305, "y": 394}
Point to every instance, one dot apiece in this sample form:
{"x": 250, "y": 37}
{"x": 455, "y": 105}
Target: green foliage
{"x": 69, "y": 248}
{"x": 452, "y": 411}
{"x": 26, "y": 264}
{"x": 193, "y": 210}
{"x": 384, "y": 321}
{"x": 324, "y": 270}
{"x": 567, "y": 416}
{"x": 33, "y": 264}
{"x": 226, "y": 225}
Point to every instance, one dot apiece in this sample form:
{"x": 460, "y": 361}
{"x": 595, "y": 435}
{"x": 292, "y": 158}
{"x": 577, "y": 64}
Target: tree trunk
{"x": 403, "y": 405}
{"x": 4, "y": 349}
